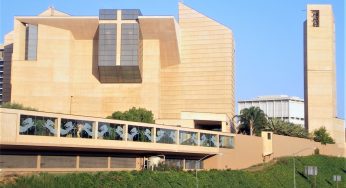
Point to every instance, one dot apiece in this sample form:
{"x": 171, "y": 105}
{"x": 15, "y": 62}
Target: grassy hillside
{"x": 279, "y": 174}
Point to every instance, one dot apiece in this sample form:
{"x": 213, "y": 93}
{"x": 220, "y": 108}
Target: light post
{"x": 311, "y": 171}
{"x": 337, "y": 179}
{"x": 294, "y": 164}
{"x": 200, "y": 163}
{"x": 71, "y": 103}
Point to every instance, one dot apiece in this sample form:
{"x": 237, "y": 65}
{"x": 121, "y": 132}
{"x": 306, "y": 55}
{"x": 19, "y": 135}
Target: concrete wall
{"x": 287, "y": 146}
{"x": 252, "y": 150}
{"x": 247, "y": 152}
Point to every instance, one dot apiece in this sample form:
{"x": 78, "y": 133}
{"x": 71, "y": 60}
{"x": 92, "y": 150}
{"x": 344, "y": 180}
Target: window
{"x": 208, "y": 140}
{"x": 110, "y": 131}
{"x": 226, "y": 141}
{"x": 139, "y": 134}
{"x": 166, "y": 136}
{"x": 129, "y": 44}
{"x": 269, "y": 136}
{"x": 37, "y": 125}
{"x": 188, "y": 138}
{"x": 107, "y": 45}
{"x": 315, "y": 18}
{"x": 108, "y": 14}
{"x": 76, "y": 128}
{"x": 31, "y": 42}
{"x": 130, "y": 14}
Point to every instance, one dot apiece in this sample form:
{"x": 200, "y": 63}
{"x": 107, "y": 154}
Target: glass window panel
{"x": 37, "y": 125}
{"x": 76, "y": 128}
{"x": 166, "y": 136}
{"x": 226, "y": 141}
{"x": 139, "y": 134}
{"x": 110, "y": 131}
{"x": 208, "y": 140}
{"x": 193, "y": 164}
{"x": 188, "y": 138}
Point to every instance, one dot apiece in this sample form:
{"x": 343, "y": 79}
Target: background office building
{"x": 182, "y": 70}
{"x": 320, "y": 72}
{"x": 283, "y": 107}
{"x": 1, "y": 70}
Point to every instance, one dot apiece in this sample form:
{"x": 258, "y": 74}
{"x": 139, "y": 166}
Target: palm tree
{"x": 252, "y": 120}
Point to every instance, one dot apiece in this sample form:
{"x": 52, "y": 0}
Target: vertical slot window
{"x": 315, "y": 18}
{"x": 31, "y": 42}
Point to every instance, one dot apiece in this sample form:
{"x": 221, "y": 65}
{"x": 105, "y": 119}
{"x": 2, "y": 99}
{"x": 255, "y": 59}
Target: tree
{"x": 321, "y": 135}
{"x": 252, "y": 120}
{"x": 134, "y": 114}
{"x": 281, "y": 127}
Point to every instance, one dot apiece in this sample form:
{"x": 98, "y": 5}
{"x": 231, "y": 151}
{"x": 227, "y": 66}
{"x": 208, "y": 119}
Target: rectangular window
{"x": 130, "y": 14}
{"x": 166, "y": 136}
{"x": 76, "y": 128}
{"x": 129, "y": 44}
{"x": 269, "y": 136}
{"x": 107, "y": 44}
{"x": 226, "y": 141}
{"x": 139, "y": 134}
{"x": 108, "y": 14}
{"x": 31, "y": 42}
{"x": 188, "y": 138}
{"x": 315, "y": 18}
{"x": 110, "y": 131}
{"x": 193, "y": 164}
{"x": 37, "y": 125}
{"x": 208, "y": 140}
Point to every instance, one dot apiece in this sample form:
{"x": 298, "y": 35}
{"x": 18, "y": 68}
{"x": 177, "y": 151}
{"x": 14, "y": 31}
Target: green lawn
{"x": 278, "y": 175}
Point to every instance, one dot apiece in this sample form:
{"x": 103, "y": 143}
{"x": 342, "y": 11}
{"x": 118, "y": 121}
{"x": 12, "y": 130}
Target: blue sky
{"x": 268, "y": 36}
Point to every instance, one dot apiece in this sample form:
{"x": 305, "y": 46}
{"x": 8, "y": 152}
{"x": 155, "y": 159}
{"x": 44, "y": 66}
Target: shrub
{"x": 15, "y": 105}
{"x": 321, "y": 135}
{"x": 134, "y": 114}
{"x": 281, "y": 127}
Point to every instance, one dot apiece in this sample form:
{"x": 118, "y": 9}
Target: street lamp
{"x": 199, "y": 161}
{"x": 294, "y": 164}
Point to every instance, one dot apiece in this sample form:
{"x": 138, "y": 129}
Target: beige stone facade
{"x": 185, "y": 66}
{"x": 320, "y": 73}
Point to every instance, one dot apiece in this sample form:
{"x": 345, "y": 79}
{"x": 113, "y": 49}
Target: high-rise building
{"x": 290, "y": 109}
{"x": 1, "y": 70}
{"x": 94, "y": 65}
{"x": 320, "y": 72}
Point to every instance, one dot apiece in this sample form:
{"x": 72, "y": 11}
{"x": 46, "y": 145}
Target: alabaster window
{"x": 107, "y": 45}
{"x": 129, "y": 44}
{"x": 108, "y": 14}
{"x": 37, "y": 125}
{"x": 315, "y": 18}
{"x": 130, "y": 14}
{"x": 31, "y": 42}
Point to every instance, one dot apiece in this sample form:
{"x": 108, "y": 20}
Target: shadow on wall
{"x": 95, "y": 68}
